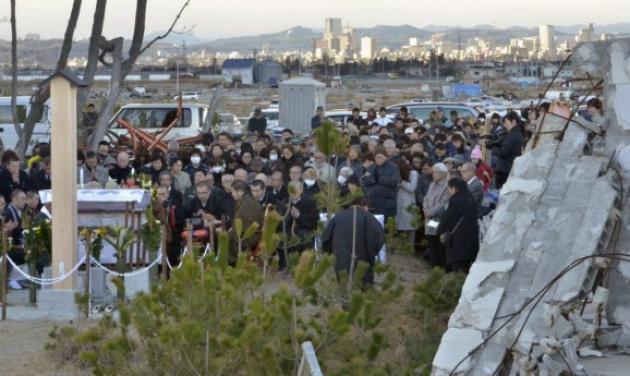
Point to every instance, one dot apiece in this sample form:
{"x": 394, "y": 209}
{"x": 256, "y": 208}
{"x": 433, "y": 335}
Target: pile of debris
{"x": 551, "y": 283}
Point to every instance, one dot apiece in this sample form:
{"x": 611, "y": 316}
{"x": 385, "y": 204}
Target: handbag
{"x": 446, "y": 237}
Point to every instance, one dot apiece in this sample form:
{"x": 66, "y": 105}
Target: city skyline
{"x": 218, "y": 19}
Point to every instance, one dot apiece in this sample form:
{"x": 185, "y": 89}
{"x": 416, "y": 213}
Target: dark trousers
{"x": 437, "y": 253}
{"x": 459, "y": 266}
{"x": 500, "y": 178}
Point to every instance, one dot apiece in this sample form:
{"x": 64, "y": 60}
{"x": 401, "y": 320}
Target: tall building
{"x": 546, "y": 36}
{"x": 332, "y": 28}
{"x": 586, "y": 34}
{"x": 368, "y": 48}
{"x": 413, "y": 42}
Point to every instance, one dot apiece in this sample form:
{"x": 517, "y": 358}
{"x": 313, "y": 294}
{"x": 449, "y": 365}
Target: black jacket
{"x": 276, "y": 197}
{"x": 40, "y": 180}
{"x": 509, "y": 149}
{"x": 309, "y": 216}
{"x": 464, "y": 244}
{"x": 257, "y": 125}
{"x": 12, "y": 214}
{"x": 369, "y": 238}
{"x": 382, "y": 188}
{"x": 7, "y": 185}
{"x": 120, "y": 174}
{"x": 216, "y": 205}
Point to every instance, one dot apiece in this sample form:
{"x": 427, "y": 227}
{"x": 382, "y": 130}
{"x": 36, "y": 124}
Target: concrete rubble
{"x": 523, "y": 307}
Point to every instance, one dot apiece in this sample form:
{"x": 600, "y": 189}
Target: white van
{"x": 154, "y": 117}
{"x": 41, "y": 132}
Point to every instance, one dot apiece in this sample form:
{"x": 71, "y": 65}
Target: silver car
{"x": 230, "y": 123}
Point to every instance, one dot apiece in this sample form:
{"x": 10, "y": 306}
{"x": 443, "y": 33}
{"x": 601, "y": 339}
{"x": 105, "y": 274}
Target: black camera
{"x": 494, "y": 139}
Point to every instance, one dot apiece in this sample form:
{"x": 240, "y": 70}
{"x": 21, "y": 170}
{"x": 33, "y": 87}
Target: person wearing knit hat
{"x": 484, "y": 172}
{"x": 476, "y": 152}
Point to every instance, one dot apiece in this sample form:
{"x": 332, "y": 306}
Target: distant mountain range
{"x": 392, "y": 36}
{"x": 46, "y": 52}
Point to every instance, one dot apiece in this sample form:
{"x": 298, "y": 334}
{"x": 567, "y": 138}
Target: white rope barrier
{"x": 129, "y": 274}
{"x": 46, "y": 281}
{"x": 170, "y": 266}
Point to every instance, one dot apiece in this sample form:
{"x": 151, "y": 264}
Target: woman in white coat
{"x": 406, "y": 198}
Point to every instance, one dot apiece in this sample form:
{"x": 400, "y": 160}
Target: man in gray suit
{"x": 475, "y": 186}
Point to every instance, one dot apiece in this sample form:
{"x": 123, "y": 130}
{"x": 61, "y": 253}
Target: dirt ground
{"x": 22, "y": 349}
{"x": 22, "y": 342}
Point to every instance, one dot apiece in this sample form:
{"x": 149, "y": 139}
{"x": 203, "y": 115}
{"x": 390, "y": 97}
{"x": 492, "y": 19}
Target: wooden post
{"x": 63, "y": 94}
{"x": 189, "y": 239}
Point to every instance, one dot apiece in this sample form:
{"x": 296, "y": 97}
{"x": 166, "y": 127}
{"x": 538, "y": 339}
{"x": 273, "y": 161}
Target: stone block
{"x": 455, "y": 345}
{"x": 137, "y": 283}
{"x": 620, "y": 99}
{"x": 619, "y": 62}
{"x": 477, "y": 312}
{"x": 573, "y": 141}
{"x": 480, "y": 271}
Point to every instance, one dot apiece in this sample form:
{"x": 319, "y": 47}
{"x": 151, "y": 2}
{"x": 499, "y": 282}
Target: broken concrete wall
{"x": 557, "y": 206}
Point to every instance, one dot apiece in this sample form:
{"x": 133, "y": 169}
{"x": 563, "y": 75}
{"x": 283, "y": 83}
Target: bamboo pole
{"x": 3, "y": 272}
{"x": 86, "y": 282}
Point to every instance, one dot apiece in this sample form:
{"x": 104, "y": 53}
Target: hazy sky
{"x": 224, "y": 18}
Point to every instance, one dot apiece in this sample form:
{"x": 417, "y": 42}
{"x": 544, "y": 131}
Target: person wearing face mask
{"x": 195, "y": 164}
{"x": 342, "y": 180}
{"x": 273, "y": 161}
{"x": 325, "y": 171}
{"x": 311, "y": 185}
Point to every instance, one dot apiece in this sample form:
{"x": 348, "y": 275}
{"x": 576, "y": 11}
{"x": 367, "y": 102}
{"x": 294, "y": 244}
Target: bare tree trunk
{"x": 114, "y": 90}
{"x": 213, "y": 104}
{"x": 14, "y": 69}
{"x": 126, "y": 66}
{"x": 91, "y": 65}
{"x": 39, "y": 99}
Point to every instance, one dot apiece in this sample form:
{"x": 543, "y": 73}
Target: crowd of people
{"x": 438, "y": 169}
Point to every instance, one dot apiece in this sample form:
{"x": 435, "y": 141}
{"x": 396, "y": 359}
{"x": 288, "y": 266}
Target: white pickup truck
{"x": 41, "y": 132}
{"x": 153, "y": 117}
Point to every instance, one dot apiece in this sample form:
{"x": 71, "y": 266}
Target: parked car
{"x": 272, "y": 115}
{"x": 188, "y": 96}
{"x": 341, "y": 116}
{"x": 230, "y": 124}
{"x": 421, "y": 111}
{"x": 41, "y": 132}
{"x": 153, "y": 117}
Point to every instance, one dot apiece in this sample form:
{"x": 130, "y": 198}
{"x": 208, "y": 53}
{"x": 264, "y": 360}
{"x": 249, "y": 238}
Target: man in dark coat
{"x": 171, "y": 214}
{"x": 13, "y": 229}
{"x": 301, "y": 219}
{"x": 277, "y": 192}
{"x": 509, "y": 148}
{"x": 257, "y": 123}
{"x": 354, "y": 226}
{"x": 12, "y": 178}
{"x": 381, "y": 180}
{"x": 475, "y": 186}
{"x": 122, "y": 170}
{"x": 249, "y": 211}
{"x": 319, "y": 117}
{"x": 460, "y": 219}
{"x": 209, "y": 204}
